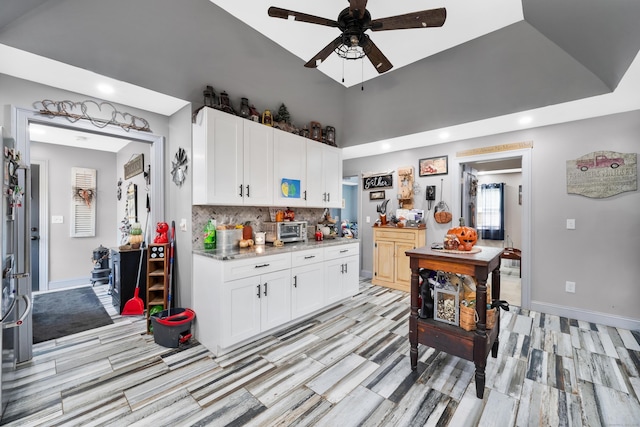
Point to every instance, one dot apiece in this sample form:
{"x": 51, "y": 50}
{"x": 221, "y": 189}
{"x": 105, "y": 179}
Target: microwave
{"x": 287, "y": 231}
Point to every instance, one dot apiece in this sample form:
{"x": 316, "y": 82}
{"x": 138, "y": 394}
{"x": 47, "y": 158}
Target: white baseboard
{"x": 587, "y": 315}
{"x": 69, "y": 283}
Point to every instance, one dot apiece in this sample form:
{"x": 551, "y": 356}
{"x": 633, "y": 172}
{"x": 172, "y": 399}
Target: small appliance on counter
{"x": 287, "y": 231}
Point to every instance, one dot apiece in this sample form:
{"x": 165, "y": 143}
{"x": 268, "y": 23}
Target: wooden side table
{"x": 469, "y": 345}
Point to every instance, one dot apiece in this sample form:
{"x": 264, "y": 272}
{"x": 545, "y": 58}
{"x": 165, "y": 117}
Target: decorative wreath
{"x": 85, "y": 194}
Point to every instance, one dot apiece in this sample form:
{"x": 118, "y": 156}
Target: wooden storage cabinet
{"x": 157, "y": 277}
{"x": 390, "y": 264}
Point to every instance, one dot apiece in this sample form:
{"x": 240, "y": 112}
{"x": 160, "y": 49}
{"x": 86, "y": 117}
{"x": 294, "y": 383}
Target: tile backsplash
{"x": 242, "y": 214}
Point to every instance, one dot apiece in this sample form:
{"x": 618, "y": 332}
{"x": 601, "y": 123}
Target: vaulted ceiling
{"x": 487, "y": 61}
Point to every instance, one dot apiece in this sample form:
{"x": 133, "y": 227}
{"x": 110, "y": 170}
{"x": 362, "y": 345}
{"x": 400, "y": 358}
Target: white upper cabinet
{"x": 240, "y": 162}
{"x": 232, "y": 160}
{"x": 324, "y": 175}
{"x": 289, "y": 171}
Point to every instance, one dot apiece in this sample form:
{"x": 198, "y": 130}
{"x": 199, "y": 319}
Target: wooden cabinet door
{"x": 403, "y": 271}
{"x": 275, "y": 299}
{"x": 384, "y": 261}
{"x": 258, "y": 164}
{"x": 240, "y": 310}
{"x": 307, "y": 291}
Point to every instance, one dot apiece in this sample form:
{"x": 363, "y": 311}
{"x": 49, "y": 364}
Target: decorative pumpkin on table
{"x": 467, "y": 236}
{"x": 135, "y": 235}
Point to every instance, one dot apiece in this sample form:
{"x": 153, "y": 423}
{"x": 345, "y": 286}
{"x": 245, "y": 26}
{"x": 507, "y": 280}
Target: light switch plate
{"x": 57, "y": 219}
{"x": 571, "y": 224}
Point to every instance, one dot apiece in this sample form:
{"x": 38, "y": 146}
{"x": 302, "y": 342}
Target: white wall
{"x": 70, "y": 258}
{"x": 601, "y": 255}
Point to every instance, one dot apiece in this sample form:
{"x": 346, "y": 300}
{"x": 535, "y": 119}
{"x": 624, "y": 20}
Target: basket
{"x": 468, "y": 318}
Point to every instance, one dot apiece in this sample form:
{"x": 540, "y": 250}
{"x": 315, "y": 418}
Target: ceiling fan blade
{"x": 357, "y": 8}
{"x": 375, "y": 55}
{"x": 422, "y": 19}
{"x": 324, "y": 53}
{"x": 277, "y": 12}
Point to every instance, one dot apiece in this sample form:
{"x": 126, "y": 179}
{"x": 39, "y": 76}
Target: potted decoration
{"x": 135, "y": 235}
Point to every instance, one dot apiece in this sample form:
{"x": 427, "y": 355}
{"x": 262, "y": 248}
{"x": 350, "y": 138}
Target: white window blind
{"x": 83, "y": 202}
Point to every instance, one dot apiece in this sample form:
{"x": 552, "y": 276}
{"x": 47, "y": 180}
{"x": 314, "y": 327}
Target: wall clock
{"x": 179, "y": 166}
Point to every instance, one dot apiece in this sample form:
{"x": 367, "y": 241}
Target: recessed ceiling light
{"x": 525, "y": 120}
{"x": 444, "y": 135}
{"x": 386, "y": 146}
{"x": 105, "y": 88}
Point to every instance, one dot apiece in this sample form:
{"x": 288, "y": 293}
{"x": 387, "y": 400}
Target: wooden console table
{"x": 473, "y": 345}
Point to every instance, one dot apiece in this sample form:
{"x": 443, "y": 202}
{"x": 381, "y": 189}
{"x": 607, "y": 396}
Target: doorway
{"x": 503, "y": 161}
{"x": 21, "y": 121}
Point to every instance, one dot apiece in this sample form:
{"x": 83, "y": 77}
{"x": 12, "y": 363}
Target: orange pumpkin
{"x": 467, "y": 236}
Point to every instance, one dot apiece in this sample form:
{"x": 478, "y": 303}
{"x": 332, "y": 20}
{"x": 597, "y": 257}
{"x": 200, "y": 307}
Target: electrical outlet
{"x": 571, "y": 224}
{"x": 570, "y": 287}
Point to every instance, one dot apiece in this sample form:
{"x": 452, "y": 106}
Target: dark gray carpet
{"x": 61, "y": 313}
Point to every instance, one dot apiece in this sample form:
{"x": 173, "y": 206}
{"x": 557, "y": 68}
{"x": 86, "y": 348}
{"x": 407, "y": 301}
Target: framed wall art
{"x": 434, "y": 166}
{"x": 376, "y": 195}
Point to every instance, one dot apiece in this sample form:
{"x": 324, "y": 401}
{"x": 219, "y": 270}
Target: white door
{"x": 276, "y": 299}
{"x": 241, "y": 307}
{"x": 258, "y": 164}
{"x": 307, "y": 291}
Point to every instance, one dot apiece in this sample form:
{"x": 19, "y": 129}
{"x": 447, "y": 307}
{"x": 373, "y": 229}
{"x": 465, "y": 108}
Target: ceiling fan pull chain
{"x": 343, "y": 61}
{"x": 362, "y": 75}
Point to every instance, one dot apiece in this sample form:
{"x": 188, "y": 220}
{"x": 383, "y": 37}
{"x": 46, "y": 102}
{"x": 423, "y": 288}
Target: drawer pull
{"x": 262, "y": 265}
{"x": 344, "y": 250}
{"x": 309, "y": 256}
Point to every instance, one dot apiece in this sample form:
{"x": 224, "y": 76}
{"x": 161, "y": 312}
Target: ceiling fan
{"x": 353, "y": 21}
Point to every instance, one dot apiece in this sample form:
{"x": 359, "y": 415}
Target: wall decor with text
{"x": 602, "y": 174}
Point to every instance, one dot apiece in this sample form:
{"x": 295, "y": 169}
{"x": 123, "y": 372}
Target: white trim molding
{"x": 586, "y": 315}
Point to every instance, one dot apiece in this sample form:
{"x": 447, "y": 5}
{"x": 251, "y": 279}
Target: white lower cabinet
{"x": 239, "y": 300}
{"x": 308, "y": 281}
{"x": 341, "y": 272}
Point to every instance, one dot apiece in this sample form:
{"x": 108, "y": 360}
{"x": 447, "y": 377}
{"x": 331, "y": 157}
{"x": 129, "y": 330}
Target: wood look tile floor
{"x": 348, "y": 366}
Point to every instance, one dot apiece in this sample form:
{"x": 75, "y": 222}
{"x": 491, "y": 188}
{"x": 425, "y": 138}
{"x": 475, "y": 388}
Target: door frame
{"x": 43, "y": 225}
{"x": 525, "y": 155}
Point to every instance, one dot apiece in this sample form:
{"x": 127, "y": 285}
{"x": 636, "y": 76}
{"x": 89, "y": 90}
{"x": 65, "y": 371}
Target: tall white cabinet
{"x": 324, "y": 175}
{"x": 232, "y": 160}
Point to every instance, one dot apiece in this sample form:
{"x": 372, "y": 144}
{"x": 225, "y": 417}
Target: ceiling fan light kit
{"x": 353, "y": 21}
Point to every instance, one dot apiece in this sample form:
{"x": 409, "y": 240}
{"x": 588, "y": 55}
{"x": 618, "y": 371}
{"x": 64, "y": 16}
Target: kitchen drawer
{"x": 255, "y": 266}
{"x": 340, "y": 251}
{"x": 306, "y": 257}
{"x": 396, "y": 235}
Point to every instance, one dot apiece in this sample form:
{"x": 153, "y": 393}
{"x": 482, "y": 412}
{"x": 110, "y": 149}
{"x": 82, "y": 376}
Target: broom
{"x": 135, "y": 306}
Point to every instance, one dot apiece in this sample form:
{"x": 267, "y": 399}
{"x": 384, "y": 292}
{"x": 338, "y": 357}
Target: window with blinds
{"x": 83, "y": 203}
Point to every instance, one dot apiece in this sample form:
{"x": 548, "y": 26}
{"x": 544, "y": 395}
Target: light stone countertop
{"x": 269, "y": 249}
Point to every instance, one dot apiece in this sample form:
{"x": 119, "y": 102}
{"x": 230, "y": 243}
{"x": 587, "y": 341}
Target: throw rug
{"x": 60, "y": 313}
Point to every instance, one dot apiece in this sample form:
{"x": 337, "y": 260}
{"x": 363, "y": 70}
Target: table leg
{"x": 480, "y": 379}
{"x": 480, "y": 339}
{"x": 495, "y": 295}
{"x": 413, "y": 319}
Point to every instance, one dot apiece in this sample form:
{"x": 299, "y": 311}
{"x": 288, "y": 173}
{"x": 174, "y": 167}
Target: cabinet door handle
{"x": 328, "y": 197}
{"x": 305, "y": 194}
{"x": 346, "y": 268}
{"x": 265, "y": 289}
{"x": 258, "y": 291}
{"x": 248, "y": 191}
{"x": 295, "y": 281}
{"x": 309, "y": 257}
{"x": 240, "y": 190}
{"x": 262, "y": 265}
{"x": 341, "y": 268}
{"x": 324, "y": 197}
